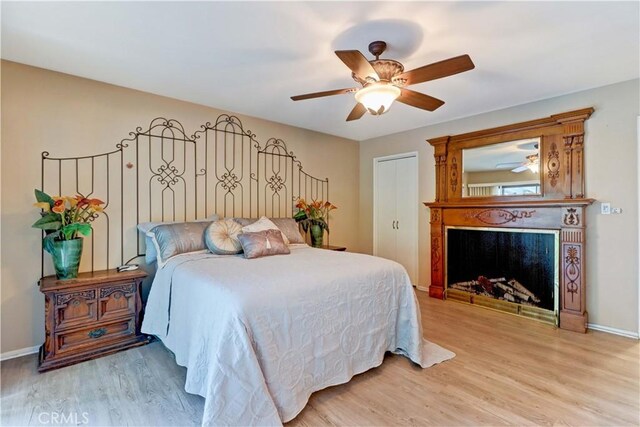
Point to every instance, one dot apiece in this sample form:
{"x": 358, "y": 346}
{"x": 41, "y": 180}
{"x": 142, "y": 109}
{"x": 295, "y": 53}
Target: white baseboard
{"x": 615, "y": 331}
{"x": 422, "y": 288}
{"x": 19, "y": 352}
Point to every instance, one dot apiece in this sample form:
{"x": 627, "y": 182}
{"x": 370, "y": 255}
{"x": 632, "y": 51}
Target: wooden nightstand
{"x": 94, "y": 315}
{"x": 333, "y": 248}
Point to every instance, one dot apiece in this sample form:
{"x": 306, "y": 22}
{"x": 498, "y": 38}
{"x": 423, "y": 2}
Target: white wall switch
{"x": 605, "y": 208}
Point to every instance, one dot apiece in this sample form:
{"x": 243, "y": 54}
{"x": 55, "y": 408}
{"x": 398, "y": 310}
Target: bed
{"x": 258, "y": 336}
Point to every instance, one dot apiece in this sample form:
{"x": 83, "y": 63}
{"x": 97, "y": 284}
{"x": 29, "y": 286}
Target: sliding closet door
{"x": 396, "y": 211}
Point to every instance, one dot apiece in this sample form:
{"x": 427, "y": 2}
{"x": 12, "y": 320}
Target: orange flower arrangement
{"x": 314, "y": 213}
{"x": 63, "y": 218}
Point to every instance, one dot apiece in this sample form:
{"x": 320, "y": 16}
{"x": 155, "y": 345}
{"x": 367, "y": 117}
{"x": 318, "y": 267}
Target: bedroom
{"x": 75, "y": 84}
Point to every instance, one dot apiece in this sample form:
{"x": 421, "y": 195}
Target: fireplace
{"x": 555, "y": 212}
{"x": 512, "y": 270}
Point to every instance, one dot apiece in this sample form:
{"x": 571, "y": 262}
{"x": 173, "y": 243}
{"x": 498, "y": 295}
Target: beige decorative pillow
{"x": 263, "y": 243}
{"x": 221, "y": 237}
{"x": 288, "y": 226}
{"x": 290, "y": 229}
{"x": 262, "y": 224}
{"x": 180, "y": 238}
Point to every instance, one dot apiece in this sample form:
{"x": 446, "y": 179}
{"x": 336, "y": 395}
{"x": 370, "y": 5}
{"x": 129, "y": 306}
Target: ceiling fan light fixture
{"x": 534, "y": 167}
{"x": 378, "y": 97}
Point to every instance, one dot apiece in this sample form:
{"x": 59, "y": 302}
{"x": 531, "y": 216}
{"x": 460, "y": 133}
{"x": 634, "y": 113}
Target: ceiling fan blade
{"x": 419, "y": 100}
{"x": 437, "y": 70}
{"x": 520, "y": 169}
{"x": 357, "y": 112}
{"x": 356, "y": 61}
{"x": 321, "y": 94}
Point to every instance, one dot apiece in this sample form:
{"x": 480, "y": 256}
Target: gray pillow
{"x": 263, "y": 243}
{"x": 179, "y": 238}
{"x": 221, "y": 237}
{"x": 145, "y": 228}
{"x": 288, "y": 226}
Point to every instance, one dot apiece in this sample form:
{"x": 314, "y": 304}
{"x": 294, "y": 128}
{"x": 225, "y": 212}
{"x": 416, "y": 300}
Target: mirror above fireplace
{"x": 503, "y": 169}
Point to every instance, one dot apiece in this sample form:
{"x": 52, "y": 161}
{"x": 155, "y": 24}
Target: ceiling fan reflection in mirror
{"x": 384, "y": 81}
{"x": 532, "y": 164}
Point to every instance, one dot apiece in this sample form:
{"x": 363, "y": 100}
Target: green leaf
{"x": 69, "y": 231}
{"x": 48, "y": 241}
{"x": 48, "y": 221}
{"x": 41, "y": 196}
{"x": 300, "y": 215}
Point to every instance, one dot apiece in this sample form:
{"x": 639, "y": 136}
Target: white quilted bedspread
{"x": 259, "y": 336}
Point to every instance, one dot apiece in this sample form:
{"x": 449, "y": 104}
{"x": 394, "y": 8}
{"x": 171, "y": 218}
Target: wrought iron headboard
{"x": 162, "y": 174}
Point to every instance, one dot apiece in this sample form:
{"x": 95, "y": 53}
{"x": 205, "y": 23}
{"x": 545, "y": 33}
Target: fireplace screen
{"x": 510, "y": 265}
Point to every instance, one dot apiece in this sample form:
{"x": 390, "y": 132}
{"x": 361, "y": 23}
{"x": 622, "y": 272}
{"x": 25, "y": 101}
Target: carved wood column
{"x": 573, "y": 315}
{"x": 573, "y": 136}
{"x": 440, "y": 155}
{"x": 436, "y": 289}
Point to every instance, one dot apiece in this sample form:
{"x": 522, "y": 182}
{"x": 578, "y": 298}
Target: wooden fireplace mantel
{"x": 560, "y": 206}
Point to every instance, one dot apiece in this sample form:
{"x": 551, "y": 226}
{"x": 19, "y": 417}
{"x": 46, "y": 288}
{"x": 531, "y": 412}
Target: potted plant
{"x": 64, "y": 219}
{"x": 313, "y": 218}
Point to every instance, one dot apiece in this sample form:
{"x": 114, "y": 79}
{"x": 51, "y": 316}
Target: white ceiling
{"x": 248, "y": 57}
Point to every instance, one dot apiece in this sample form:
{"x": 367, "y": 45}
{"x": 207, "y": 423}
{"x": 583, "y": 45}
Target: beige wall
{"x": 611, "y": 175}
{"x": 70, "y": 116}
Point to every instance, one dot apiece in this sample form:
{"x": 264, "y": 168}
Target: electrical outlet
{"x": 605, "y": 208}
{"x": 616, "y": 210}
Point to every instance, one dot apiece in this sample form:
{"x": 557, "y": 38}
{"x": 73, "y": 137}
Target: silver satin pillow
{"x": 221, "y": 237}
{"x": 263, "y": 243}
{"x": 288, "y": 226}
{"x": 180, "y": 238}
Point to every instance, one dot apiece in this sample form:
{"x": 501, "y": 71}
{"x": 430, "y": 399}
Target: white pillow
{"x": 263, "y": 224}
{"x": 150, "y": 253}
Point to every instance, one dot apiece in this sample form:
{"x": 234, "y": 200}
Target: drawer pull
{"x": 97, "y": 333}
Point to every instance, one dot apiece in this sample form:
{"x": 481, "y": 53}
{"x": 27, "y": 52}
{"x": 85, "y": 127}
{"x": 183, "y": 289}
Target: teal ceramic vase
{"x": 317, "y": 233}
{"x": 66, "y": 257}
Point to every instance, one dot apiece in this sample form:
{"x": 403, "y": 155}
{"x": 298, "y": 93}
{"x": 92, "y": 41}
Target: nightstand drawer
{"x": 92, "y": 337}
{"x": 117, "y": 301}
{"x": 75, "y": 308}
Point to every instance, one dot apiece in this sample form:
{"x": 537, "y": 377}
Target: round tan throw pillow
{"x": 221, "y": 237}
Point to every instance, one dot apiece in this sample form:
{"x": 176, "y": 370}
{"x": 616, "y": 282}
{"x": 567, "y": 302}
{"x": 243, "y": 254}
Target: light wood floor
{"x": 507, "y": 371}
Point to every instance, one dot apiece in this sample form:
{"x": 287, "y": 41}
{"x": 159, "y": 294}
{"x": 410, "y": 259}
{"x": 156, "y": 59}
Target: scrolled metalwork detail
{"x": 221, "y": 168}
{"x": 167, "y": 175}
{"x": 229, "y": 181}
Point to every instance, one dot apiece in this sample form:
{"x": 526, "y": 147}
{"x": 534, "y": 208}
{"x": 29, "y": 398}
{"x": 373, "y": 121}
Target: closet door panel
{"x": 385, "y": 210}
{"x": 406, "y": 215}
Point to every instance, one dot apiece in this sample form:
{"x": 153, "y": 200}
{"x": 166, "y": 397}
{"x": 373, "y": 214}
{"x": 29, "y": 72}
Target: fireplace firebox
{"x": 513, "y": 270}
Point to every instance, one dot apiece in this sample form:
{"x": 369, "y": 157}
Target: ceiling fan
{"x": 384, "y": 81}
{"x": 532, "y": 164}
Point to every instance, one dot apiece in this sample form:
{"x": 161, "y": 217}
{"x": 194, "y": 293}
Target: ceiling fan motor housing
{"x": 387, "y": 69}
